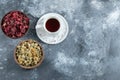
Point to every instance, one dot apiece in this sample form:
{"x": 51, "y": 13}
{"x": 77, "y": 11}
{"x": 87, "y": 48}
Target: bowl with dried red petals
{"x": 28, "y": 54}
{"x": 15, "y": 24}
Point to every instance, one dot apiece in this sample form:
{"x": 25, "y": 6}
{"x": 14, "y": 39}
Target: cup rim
{"x": 31, "y": 67}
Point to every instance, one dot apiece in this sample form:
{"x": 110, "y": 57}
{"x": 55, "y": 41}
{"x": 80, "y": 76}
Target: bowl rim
{"x": 31, "y": 67}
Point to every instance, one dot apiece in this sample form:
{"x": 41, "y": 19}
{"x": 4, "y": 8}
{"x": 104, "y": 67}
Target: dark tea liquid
{"x": 52, "y": 25}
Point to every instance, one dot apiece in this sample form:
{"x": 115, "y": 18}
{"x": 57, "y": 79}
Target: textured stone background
{"x": 90, "y": 52}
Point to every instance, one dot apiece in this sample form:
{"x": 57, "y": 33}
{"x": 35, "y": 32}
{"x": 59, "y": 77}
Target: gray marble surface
{"x": 90, "y": 52}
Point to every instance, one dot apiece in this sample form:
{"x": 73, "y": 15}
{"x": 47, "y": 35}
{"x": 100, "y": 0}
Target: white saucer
{"x": 52, "y": 38}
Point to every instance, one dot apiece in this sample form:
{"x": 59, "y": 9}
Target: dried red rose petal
{"x": 15, "y": 24}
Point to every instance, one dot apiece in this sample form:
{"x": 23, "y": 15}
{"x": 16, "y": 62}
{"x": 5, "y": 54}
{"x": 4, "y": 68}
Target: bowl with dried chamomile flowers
{"x": 28, "y": 54}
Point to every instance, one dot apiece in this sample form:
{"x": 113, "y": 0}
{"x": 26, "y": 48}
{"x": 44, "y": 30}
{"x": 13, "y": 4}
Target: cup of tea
{"x": 52, "y": 23}
{"x": 52, "y": 28}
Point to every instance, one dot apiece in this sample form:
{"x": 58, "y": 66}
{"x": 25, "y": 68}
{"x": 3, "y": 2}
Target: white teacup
{"x": 51, "y": 18}
{"x": 51, "y": 34}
